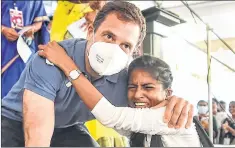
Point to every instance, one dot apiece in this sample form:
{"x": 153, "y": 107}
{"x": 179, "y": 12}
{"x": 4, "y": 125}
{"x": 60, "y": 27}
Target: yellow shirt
{"x": 65, "y": 14}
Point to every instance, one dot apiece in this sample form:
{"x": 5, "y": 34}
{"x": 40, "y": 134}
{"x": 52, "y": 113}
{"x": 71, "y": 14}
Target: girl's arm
{"x": 148, "y": 121}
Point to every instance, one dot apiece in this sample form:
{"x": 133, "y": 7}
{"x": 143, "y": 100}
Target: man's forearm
{"x": 36, "y": 137}
{"x": 38, "y": 120}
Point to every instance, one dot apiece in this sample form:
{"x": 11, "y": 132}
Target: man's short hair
{"x": 126, "y": 12}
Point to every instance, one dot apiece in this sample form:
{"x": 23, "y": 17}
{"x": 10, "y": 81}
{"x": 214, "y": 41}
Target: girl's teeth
{"x": 139, "y": 104}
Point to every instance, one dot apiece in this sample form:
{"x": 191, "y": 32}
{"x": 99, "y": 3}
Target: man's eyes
{"x": 108, "y": 36}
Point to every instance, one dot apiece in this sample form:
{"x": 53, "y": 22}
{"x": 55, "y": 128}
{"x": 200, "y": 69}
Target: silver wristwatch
{"x": 74, "y": 74}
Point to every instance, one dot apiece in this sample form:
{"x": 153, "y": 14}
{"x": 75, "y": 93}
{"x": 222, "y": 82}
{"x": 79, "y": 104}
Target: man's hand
{"x": 179, "y": 112}
{"x": 57, "y": 55}
{"x": 10, "y": 33}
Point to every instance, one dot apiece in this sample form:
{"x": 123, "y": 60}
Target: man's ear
{"x": 90, "y": 32}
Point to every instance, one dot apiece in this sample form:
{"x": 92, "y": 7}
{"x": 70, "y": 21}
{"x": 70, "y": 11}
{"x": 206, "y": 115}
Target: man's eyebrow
{"x": 114, "y": 36}
{"x": 109, "y": 32}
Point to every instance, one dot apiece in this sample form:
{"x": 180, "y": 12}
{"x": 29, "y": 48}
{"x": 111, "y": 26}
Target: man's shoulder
{"x": 71, "y": 44}
{"x": 123, "y": 75}
{"x": 38, "y": 67}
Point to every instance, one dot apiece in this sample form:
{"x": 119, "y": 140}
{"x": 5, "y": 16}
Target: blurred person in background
{"x": 50, "y": 7}
{"x": 68, "y": 12}
{"x": 215, "y": 104}
{"x": 15, "y": 16}
{"x": 49, "y": 24}
{"x": 202, "y": 107}
{"x": 227, "y": 135}
{"x": 220, "y": 116}
{"x": 203, "y": 116}
{"x": 222, "y": 106}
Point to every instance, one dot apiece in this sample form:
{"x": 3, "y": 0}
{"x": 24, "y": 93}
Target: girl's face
{"x": 144, "y": 91}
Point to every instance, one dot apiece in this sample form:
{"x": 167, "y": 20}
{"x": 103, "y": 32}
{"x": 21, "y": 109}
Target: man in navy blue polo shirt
{"x": 43, "y": 109}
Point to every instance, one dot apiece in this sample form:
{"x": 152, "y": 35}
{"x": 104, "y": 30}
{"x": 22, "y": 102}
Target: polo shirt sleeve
{"x": 43, "y": 79}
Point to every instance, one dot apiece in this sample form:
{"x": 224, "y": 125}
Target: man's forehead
{"x": 125, "y": 31}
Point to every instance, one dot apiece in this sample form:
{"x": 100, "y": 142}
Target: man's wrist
{"x": 67, "y": 66}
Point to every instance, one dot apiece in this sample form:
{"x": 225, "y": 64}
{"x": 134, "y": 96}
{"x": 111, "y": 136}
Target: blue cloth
{"x": 49, "y": 81}
{"x": 31, "y": 10}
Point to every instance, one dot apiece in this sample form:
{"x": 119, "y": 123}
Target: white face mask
{"x": 107, "y": 58}
{"x": 130, "y": 60}
{"x": 202, "y": 109}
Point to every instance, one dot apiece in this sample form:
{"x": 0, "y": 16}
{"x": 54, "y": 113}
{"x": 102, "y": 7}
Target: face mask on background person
{"x": 202, "y": 109}
{"x": 107, "y": 58}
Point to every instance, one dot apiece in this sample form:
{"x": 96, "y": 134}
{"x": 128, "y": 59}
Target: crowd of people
{"x": 223, "y": 123}
{"x": 46, "y": 104}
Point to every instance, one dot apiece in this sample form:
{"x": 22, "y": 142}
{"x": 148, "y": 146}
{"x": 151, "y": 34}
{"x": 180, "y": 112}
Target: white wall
{"x": 187, "y": 62}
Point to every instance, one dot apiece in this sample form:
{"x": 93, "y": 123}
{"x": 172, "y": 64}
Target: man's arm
{"x": 38, "y": 119}
{"x": 41, "y": 85}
